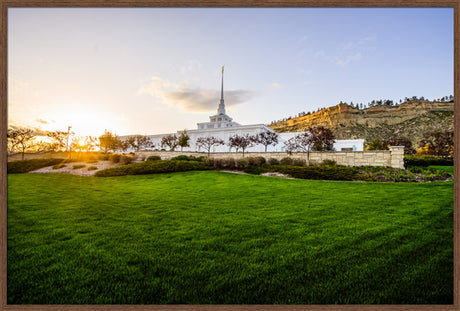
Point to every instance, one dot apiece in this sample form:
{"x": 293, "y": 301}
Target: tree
{"x": 90, "y": 143}
{"x": 267, "y": 138}
{"x": 323, "y": 138}
{"x": 442, "y": 143}
{"x": 183, "y": 140}
{"x": 58, "y": 140}
{"x": 398, "y": 141}
{"x": 242, "y": 142}
{"x": 20, "y": 139}
{"x": 108, "y": 141}
{"x": 169, "y": 141}
{"x": 376, "y": 144}
{"x": 138, "y": 142}
{"x": 208, "y": 142}
{"x": 315, "y": 138}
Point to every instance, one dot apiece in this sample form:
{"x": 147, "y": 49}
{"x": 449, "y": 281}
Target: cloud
{"x": 275, "y": 85}
{"x": 345, "y": 60}
{"x": 193, "y": 99}
{"x": 42, "y": 121}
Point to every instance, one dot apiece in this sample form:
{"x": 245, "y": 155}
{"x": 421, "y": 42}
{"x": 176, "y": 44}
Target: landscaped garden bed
{"x": 287, "y": 167}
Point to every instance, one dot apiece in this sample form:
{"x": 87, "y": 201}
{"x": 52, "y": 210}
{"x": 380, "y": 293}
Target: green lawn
{"x": 221, "y": 238}
{"x": 448, "y": 169}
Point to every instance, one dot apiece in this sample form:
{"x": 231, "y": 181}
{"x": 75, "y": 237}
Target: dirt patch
{"x": 68, "y": 168}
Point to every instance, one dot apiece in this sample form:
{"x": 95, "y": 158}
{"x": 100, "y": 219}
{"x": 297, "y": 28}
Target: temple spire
{"x": 221, "y": 109}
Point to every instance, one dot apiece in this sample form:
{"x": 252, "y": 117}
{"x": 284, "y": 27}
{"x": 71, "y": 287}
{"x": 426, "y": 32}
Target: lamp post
{"x": 68, "y": 137}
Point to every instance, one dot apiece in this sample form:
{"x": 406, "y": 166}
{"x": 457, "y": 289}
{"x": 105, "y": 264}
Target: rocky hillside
{"x": 410, "y": 119}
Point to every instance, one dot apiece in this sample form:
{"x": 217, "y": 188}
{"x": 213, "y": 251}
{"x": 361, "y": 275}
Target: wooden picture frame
{"x": 5, "y": 4}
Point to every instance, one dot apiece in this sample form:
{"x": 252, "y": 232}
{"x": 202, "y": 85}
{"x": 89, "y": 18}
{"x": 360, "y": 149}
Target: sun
{"x": 81, "y": 142}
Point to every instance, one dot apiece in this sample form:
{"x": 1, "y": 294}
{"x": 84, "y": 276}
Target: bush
{"x": 426, "y": 160}
{"x": 338, "y": 172}
{"x": 299, "y": 162}
{"x": 258, "y": 169}
{"x": 188, "y": 158}
{"x": 24, "y": 166}
{"x": 256, "y": 161}
{"x": 104, "y": 157}
{"x": 126, "y": 159}
{"x": 115, "y": 157}
{"x": 58, "y": 166}
{"x": 228, "y": 163}
{"x": 153, "y": 158}
{"x": 286, "y": 161}
{"x": 92, "y": 168}
{"x": 77, "y": 166}
{"x": 91, "y": 161}
{"x": 242, "y": 163}
{"x": 153, "y": 167}
{"x": 273, "y": 161}
{"x": 329, "y": 162}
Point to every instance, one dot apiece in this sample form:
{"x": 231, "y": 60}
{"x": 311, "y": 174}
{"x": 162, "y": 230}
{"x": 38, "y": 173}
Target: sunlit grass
{"x": 221, "y": 238}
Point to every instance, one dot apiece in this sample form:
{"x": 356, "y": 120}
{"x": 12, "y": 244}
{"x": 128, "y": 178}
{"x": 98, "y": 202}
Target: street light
{"x": 68, "y": 137}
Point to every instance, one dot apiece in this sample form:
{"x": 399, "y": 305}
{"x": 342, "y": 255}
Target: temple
{"x": 221, "y": 119}
{"x": 222, "y": 126}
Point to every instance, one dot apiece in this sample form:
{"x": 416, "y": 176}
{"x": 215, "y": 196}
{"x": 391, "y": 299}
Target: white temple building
{"x": 222, "y": 126}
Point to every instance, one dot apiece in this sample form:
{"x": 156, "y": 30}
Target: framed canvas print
{"x": 295, "y": 155}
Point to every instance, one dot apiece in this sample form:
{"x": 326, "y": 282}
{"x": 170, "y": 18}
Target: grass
{"x": 219, "y": 238}
{"x": 448, "y": 169}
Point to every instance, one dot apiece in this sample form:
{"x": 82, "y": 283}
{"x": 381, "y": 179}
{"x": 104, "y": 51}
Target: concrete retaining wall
{"x": 393, "y": 157}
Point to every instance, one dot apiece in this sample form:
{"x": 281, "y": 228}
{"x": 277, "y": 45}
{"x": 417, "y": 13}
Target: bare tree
{"x": 169, "y": 141}
{"x": 58, "y": 140}
{"x": 266, "y": 138}
{"x": 208, "y": 142}
{"x": 242, "y": 142}
{"x": 315, "y": 138}
{"x": 138, "y": 142}
{"x": 21, "y": 139}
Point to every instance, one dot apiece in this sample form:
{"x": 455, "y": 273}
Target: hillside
{"x": 410, "y": 119}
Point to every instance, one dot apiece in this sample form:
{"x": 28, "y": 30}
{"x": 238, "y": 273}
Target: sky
{"x": 158, "y": 70}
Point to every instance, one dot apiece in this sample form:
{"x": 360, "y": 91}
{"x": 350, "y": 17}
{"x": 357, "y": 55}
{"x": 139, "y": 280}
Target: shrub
{"x": 58, "y": 166}
{"x": 426, "y": 160}
{"x": 77, "y": 166}
{"x": 104, "y": 157}
{"x": 92, "y": 168}
{"x": 188, "y": 158}
{"x": 153, "y": 167}
{"x": 273, "y": 161}
{"x": 153, "y": 158}
{"x": 329, "y": 162}
{"x": 286, "y": 161}
{"x": 258, "y": 169}
{"x": 126, "y": 159}
{"x": 228, "y": 163}
{"x": 256, "y": 161}
{"x": 24, "y": 166}
{"x": 242, "y": 163}
{"x": 338, "y": 172}
{"x": 115, "y": 157}
{"x": 299, "y": 162}
{"x": 91, "y": 161}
